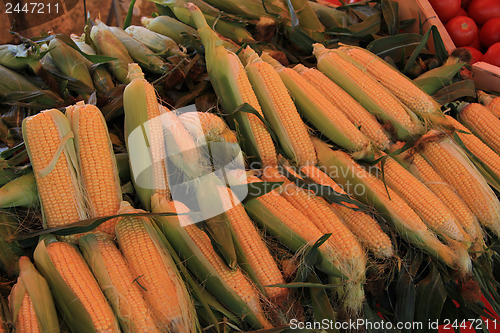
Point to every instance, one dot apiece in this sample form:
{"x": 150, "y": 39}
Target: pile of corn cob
{"x": 394, "y": 165}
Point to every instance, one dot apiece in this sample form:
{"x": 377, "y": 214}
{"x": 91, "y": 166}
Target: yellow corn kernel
{"x": 26, "y": 321}
{"x": 77, "y": 275}
{"x": 99, "y": 173}
{"x": 482, "y": 123}
{"x": 358, "y": 115}
{"x": 491, "y": 102}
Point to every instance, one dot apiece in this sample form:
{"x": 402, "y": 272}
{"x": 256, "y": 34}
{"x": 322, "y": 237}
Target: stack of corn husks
{"x": 315, "y": 193}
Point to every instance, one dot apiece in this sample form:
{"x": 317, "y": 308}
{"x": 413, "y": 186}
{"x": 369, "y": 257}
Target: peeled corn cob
{"x": 491, "y": 102}
{"x": 366, "y": 122}
{"x": 156, "y": 272}
{"x": 346, "y": 72}
{"x": 56, "y": 173}
{"x": 76, "y": 292}
{"x": 482, "y": 123}
{"x": 118, "y": 283}
{"x": 97, "y": 164}
{"x": 205, "y": 127}
{"x": 279, "y": 109}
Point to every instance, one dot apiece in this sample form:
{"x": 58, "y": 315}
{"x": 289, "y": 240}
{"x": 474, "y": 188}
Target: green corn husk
{"x": 436, "y": 79}
{"x": 140, "y": 53}
{"x": 70, "y": 62}
{"x": 341, "y": 77}
{"x": 251, "y": 9}
{"x": 342, "y": 132}
{"x": 154, "y": 41}
{"x": 17, "y": 57}
{"x": 10, "y": 250}
{"x": 5, "y": 316}
{"x": 19, "y": 192}
{"x": 331, "y": 17}
{"x": 67, "y": 302}
{"x": 308, "y": 20}
{"x": 197, "y": 263}
{"x": 14, "y": 85}
{"x": 31, "y": 282}
{"x": 223, "y": 68}
{"x": 103, "y": 81}
{"x": 168, "y": 26}
{"x": 109, "y": 45}
{"x": 349, "y": 175}
{"x": 234, "y": 31}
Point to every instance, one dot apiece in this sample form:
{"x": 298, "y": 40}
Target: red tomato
{"x": 462, "y": 12}
{"x": 476, "y": 44}
{"x": 475, "y": 53}
{"x": 492, "y": 56}
{"x": 330, "y": 2}
{"x": 465, "y": 3}
{"x": 483, "y": 10}
{"x": 446, "y": 9}
{"x": 490, "y": 32}
{"x": 462, "y": 30}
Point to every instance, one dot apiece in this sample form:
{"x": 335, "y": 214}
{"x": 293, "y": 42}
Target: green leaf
{"x": 397, "y": 47}
{"x": 454, "y": 91}
{"x": 130, "y": 13}
{"x": 405, "y": 303}
{"x": 369, "y": 26}
{"x": 391, "y": 17}
{"x": 310, "y": 258}
{"x": 430, "y": 297}
{"x": 320, "y": 303}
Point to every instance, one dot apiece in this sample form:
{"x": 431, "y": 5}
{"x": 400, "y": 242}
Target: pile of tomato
{"x": 473, "y": 24}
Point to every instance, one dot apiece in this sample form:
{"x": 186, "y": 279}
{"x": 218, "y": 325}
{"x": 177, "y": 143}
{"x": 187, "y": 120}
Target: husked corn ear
{"x": 234, "y": 278}
{"x": 452, "y": 165}
{"x": 230, "y": 82}
{"x": 72, "y": 268}
{"x": 316, "y": 108}
{"x": 118, "y": 283}
{"x": 30, "y": 302}
{"x": 362, "y": 225}
{"x": 397, "y": 83}
{"x": 347, "y": 73}
{"x": 365, "y": 121}
{"x": 482, "y": 123}
{"x": 477, "y": 147}
{"x": 142, "y": 109}
{"x": 390, "y": 205}
{"x": 491, "y": 102}
{"x": 255, "y": 249}
{"x": 155, "y": 271}
{"x": 99, "y": 173}
{"x": 446, "y": 193}
{"x": 207, "y": 127}
{"x": 49, "y": 142}
{"x": 279, "y": 109}
{"x": 421, "y": 199}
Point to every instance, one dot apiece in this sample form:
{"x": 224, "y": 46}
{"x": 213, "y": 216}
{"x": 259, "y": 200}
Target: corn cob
{"x": 398, "y": 84}
{"x": 482, "y": 123}
{"x": 455, "y": 168}
{"x": 421, "y": 169}
{"x": 362, "y": 225}
{"x": 206, "y": 127}
{"x": 365, "y": 121}
{"x": 70, "y": 62}
{"x": 17, "y": 57}
{"x": 231, "y": 84}
{"x": 256, "y": 252}
{"x": 156, "y": 42}
{"x": 347, "y": 73}
{"x": 31, "y": 303}
{"x": 97, "y": 164}
{"x": 103, "y": 81}
{"x": 316, "y": 108}
{"x": 173, "y": 227}
{"x": 138, "y": 51}
{"x": 279, "y": 109}
{"x": 19, "y": 192}
{"x": 109, "y": 45}
{"x": 142, "y": 109}
{"x": 390, "y": 205}
{"x": 155, "y": 272}
{"x": 491, "y": 102}
{"x": 117, "y": 283}
{"x": 421, "y": 199}
{"x": 480, "y": 151}
{"x": 76, "y": 292}
{"x": 168, "y": 26}
{"x": 49, "y": 142}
